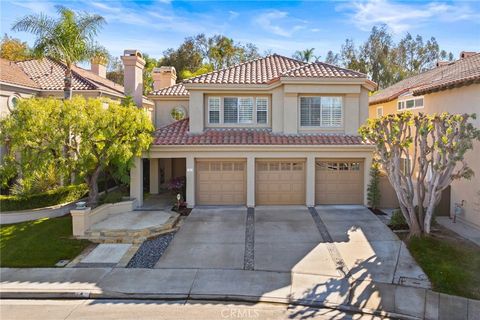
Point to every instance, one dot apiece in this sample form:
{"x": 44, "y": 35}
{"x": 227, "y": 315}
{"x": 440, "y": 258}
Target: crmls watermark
{"x": 237, "y": 313}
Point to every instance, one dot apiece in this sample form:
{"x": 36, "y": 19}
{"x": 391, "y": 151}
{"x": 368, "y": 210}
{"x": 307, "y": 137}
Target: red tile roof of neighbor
{"x": 46, "y": 74}
{"x": 178, "y": 133}
{"x": 262, "y": 71}
{"x": 458, "y": 73}
{"x": 11, "y": 73}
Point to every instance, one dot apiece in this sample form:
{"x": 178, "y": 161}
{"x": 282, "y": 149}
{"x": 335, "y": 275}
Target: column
{"x": 154, "y": 176}
{"x": 136, "y": 181}
{"x": 251, "y": 181}
{"x": 310, "y": 196}
{"x": 366, "y": 177}
{"x": 190, "y": 174}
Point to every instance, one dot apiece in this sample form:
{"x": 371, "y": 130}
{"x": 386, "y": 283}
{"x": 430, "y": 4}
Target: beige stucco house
{"x": 450, "y": 87}
{"x": 268, "y": 131}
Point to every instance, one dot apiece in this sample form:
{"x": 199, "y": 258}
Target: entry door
{"x": 280, "y": 182}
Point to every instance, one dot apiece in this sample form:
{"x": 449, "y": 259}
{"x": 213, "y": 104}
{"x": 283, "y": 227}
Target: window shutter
{"x": 214, "y": 110}
{"x": 230, "y": 110}
{"x": 245, "y": 110}
{"x": 262, "y": 110}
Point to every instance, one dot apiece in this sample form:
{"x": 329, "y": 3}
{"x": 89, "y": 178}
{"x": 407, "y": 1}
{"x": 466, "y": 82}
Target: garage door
{"x": 221, "y": 182}
{"x": 280, "y": 182}
{"x": 339, "y": 182}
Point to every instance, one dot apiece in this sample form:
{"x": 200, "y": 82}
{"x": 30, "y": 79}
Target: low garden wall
{"x": 84, "y": 218}
{"x": 35, "y": 214}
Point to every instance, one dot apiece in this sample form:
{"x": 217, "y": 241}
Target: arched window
{"x": 13, "y": 101}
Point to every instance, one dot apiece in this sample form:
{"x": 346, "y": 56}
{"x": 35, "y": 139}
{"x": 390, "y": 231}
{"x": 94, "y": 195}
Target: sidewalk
{"x": 461, "y": 228}
{"x": 236, "y": 285}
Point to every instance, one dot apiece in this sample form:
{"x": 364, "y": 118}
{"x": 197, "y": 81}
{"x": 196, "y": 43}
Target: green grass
{"x": 451, "y": 264}
{"x": 114, "y": 196}
{"x": 44, "y": 199}
{"x": 40, "y": 243}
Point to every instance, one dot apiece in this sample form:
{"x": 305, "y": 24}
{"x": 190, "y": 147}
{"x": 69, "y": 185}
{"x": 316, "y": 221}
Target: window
{"x": 214, "y": 110}
{"x": 178, "y": 113}
{"x": 237, "y": 110}
{"x": 13, "y": 101}
{"x": 379, "y": 112}
{"x": 262, "y": 110}
{"x": 245, "y": 110}
{"x": 410, "y": 104}
{"x": 326, "y": 112}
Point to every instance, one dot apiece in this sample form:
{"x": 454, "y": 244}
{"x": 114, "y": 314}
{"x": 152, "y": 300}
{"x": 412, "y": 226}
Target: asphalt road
{"x": 149, "y": 309}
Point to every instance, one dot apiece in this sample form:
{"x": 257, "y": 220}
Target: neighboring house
{"x": 452, "y": 87}
{"x": 268, "y": 131}
{"x": 45, "y": 78}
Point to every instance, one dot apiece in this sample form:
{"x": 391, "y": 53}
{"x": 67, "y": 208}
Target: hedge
{"x": 45, "y": 199}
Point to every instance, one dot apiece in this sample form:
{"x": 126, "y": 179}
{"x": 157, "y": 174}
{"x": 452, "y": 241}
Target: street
{"x": 154, "y": 309}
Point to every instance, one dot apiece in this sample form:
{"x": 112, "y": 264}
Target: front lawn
{"x": 40, "y": 243}
{"x": 451, "y": 263}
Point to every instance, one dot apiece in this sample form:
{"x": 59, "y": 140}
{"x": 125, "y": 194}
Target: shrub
{"x": 373, "y": 190}
{"x": 177, "y": 185}
{"x": 44, "y": 199}
{"x": 398, "y": 220}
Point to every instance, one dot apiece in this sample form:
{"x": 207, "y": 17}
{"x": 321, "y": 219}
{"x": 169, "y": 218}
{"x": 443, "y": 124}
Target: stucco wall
{"x": 164, "y": 107}
{"x": 284, "y": 101}
{"x": 462, "y": 100}
{"x": 388, "y": 107}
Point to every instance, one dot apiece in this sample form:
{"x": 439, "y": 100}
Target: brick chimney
{"x": 99, "y": 66}
{"x": 163, "y": 77}
{"x": 133, "y": 64}
{"x": 466, "y": 54}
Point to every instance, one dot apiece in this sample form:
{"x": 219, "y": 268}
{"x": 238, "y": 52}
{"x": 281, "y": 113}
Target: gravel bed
{"x": 150, "y": 251}
{"x": 249, "y": 257}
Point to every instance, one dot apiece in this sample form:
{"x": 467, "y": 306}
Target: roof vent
{"x": 443, "y": 63}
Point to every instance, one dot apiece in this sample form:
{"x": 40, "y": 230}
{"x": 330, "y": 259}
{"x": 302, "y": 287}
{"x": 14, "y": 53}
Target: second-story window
{"x": 245, "y": 110}
{"x": 324, "y": 112}
{"x": 214, "y": 110}
{"x": 230, "y": 110}
{"x": 262, "y": 110}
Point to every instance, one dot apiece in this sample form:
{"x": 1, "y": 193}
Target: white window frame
{"x": 256, "y": 110}
{"x": 219, "y": 110}
{"x": 402, "y": 104}
{"x": 380, "y": 109}
{"x": 342, "y": 119}
{"x": 252, "y": 100}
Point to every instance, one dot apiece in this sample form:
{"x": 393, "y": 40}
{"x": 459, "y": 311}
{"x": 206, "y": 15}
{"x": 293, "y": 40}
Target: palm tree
{"x": 305, "y": 55}
{"x": 68, "y": 39}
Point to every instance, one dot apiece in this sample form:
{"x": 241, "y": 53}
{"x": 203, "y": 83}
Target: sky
{"x": 282, "y": 27}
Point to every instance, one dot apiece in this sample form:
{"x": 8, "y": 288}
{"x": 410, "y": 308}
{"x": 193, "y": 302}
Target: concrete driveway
{"x": 329, "y": 241}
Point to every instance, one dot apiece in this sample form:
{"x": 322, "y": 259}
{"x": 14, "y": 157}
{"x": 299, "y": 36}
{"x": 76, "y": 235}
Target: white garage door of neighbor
{"x": 339, "y": 181}
{"x": 221, "y": 182}
{"x": 280, "y": 182}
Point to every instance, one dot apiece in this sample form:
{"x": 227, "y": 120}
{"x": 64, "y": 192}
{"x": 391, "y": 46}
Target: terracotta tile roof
{"x": 175, "y": 90}
{"x": 46, "y": 74}
{"x": 463, "y": 72}
{"x": 11, "y": 73}
{"x": 49, "y": 75}
{"x": 177, "y": 133}
{"x": 258, "y": 71}
{"x": 457, "y": 73}
{"x": 322, "y": 70}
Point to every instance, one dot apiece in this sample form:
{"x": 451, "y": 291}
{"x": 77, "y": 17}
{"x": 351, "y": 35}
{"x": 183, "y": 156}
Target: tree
{"x": 102, "y": 133}
{"x": 13, "y": 49}
{"x": 115, "y": 70}
{"x": 68, "y": 39}
{"x": 435, "y": 145}
{"x": 373, "y": 190}
{"x": 187, "y": 57}
{"x": 304, "y": 55}
{"x": 150, "y": 63}
{"x": 332, "y": 58}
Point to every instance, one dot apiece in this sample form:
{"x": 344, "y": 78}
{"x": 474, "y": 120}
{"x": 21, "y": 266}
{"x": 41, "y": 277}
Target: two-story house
{"x": 271, "y": 131}
{"x": 452, "y": 87}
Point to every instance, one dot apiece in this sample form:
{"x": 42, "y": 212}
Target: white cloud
{"x": 400, "y": 17}
{"x": 271, "y": 21}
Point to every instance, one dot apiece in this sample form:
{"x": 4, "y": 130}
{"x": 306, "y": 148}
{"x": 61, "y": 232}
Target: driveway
{"x": 330, "y": 241}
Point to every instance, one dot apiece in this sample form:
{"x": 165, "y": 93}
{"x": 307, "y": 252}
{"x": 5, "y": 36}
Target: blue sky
{"x": 280, "y": 26}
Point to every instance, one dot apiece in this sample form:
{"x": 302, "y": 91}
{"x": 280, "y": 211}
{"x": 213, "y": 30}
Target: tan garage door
{"x": 221, "y": 182}
{"x": 280, "y": 182}
{"x": 339, "y": 181}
